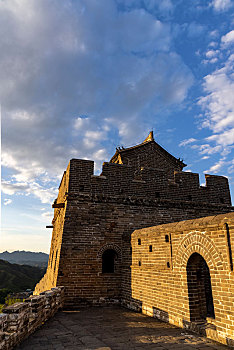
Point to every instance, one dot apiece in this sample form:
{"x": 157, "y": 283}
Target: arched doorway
{"x": 200, "y": 296}
{"x": 109, "y": 258}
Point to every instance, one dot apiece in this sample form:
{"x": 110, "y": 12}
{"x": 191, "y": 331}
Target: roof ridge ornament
{"x": 150, "y": 137}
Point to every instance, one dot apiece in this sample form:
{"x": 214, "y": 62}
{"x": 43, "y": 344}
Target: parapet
{"x": 120, "y": 179}
{"x": 185, "y": 225}
{"x": 19, "y": 320}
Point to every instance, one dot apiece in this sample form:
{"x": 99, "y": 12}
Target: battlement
{"x": 121, "y": 179}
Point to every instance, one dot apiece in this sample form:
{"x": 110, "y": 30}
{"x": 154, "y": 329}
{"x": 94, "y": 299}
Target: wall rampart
{"x": 49, "y": 280}
{"x": 95, "y": 223}
{"x": 92, "y": 212}
{"x": 20, "y": 320}
{"x": 161, "y": 263}
{"x": 147, "y": 182}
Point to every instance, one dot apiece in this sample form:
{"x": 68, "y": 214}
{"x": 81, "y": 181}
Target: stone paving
{"x": 112, "y": 328}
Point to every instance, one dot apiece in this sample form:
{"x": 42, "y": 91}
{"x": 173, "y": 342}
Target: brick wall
{"x": 49, "y": 280}
{"x": 20, "y": 320}
{"x": 148, "y": 183}
{"x": 95, "y": 213}
{"x": 167, "y": 281}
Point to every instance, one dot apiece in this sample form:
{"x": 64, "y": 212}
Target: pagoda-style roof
{"x": 150, "y": 149}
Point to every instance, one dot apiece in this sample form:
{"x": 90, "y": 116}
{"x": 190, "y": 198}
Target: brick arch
{"x": 110, "y": 246}
{"x": 198, "y": 242}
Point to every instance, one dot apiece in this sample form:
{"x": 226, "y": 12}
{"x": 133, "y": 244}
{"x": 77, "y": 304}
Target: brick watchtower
{"x": 94, "y": 217}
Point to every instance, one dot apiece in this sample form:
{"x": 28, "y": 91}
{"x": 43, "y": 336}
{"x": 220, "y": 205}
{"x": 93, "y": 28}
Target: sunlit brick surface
{"x": 170, "y": 284}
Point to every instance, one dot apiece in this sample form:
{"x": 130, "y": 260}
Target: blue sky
{"x": 79, "y": 78}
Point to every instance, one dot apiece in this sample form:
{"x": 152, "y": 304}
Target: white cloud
{"x": 231, "y": 167}
{"x": 218, "y": 103}
{"x": 154, "y": 6}
{"x": 214, "y": 33}
{"x": 212, "y": 53}
{"x": 45, "y": 194}
{"x": 11, "y": 188}
{"x": 7, "y": 201}
{"x": 60, "y": 60}
{"x": 208, "y": 149}
{"x": 222, "y": 5}
{"x": 218, "y": 166}
{"x": 213, "y": 44}
{"x": 218, "y": 107}
{"x": 187, "y": 141}
{"x": 226, "y": 138}
{"x": 100, "y": 154}
{"x": 47, "y": 216}
{"x": 228, "y": 38}
{"x": 22, "y": 115}
{"x": 95, "y": 135}
{"x": 214, "y": 60}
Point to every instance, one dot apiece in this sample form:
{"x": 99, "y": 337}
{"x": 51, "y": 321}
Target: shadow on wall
{"x": 203, "y": 328}
{"x": 160, "y": 314}
{"x": 230, "y": 342}
{"x": 200, "y": 295}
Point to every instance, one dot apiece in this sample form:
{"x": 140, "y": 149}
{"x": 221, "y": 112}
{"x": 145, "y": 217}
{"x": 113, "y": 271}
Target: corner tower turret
{"x": 148, "y": 154}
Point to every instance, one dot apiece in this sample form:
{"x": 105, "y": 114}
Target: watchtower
{"x": 94, "y": 217}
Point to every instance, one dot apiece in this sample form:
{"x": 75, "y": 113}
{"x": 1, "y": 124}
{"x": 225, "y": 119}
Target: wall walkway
{"x": 113, "y": 328}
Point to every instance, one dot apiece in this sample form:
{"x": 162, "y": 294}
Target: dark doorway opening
{"x": 201, "y": 303}
{"x": 109, "y": 258}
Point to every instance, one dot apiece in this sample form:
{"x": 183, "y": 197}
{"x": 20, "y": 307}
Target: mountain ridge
{"x": 22, "y": 257}
{"x": 17, "y": 277}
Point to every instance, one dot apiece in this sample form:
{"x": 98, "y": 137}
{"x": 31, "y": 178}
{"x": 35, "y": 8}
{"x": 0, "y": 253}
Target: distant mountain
{"x": 25, "y": 258}
{"x": 18, "y": 278}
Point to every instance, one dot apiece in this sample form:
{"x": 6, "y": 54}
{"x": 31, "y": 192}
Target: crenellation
{"x": 118, "y": 179}
{"x": 218, "y": 189}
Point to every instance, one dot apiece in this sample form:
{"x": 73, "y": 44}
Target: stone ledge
{"x": 144, "y": 200}
{"x": 19, "y": 320}
{"x": 190, "y": 225}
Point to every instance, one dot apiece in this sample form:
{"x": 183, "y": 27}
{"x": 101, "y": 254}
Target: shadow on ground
{"x": 112, "y": 328}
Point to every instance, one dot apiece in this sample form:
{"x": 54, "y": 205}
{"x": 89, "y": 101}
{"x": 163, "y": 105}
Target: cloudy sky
{"x": 80, "y": 77}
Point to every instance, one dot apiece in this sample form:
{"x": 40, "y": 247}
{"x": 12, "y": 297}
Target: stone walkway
{"x": 112, "y": 328}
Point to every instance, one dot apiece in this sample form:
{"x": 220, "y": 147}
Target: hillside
{"x": 19, "y": 277}
{"x": 25, "y": 258}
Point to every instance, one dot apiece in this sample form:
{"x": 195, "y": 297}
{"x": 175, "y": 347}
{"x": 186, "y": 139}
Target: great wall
{"x": 145, "y": 235}
{"x": 20, "y": 320}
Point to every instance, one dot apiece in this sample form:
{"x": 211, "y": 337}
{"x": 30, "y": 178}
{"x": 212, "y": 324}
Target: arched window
{"x": 109, "y": 258}
{"x": 199, "y": 288}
